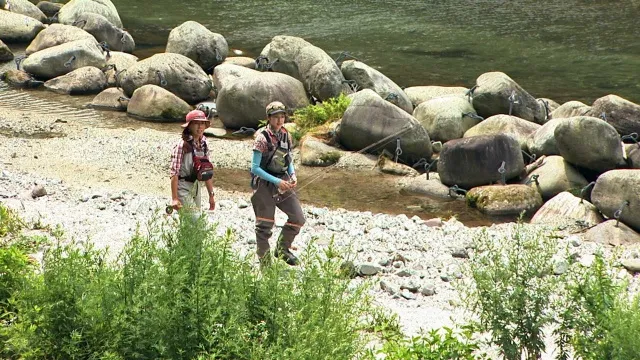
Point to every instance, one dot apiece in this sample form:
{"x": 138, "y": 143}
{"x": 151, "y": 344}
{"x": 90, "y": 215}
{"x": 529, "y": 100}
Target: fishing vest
{"x": 278, "y": 156}
{"x": 201, "y": 167}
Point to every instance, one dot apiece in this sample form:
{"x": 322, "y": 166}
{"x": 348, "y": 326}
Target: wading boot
{"x": 286, "y": 255}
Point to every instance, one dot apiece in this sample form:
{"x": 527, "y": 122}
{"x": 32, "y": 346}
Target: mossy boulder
{"x": 504, "y": 200}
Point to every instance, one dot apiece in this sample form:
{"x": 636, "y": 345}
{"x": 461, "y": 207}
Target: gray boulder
{"x": 618, "y": 190}
{"x": 612, "y": 233}
{"x": 82, "y": 81}
{"x": 151, "y": 102}
{"x": 420, "y": 94}
{"x": 5, "y": 52}
{"x": 243, "y": 61}
{"x": 62, "y": 59}
{"x": 491, "y": 97}
{"x": 19, "y": 78}
{"x": 477, "y": 160}
{"x": 224, "y": 74}
{"x": 174, "y": 72}
{"x": 520, "y": 129}
{"x": 633, "y": 156}
{"x": 26, "y": 8}
{"x": 367, "y": 77}
{"x": 421, "y": 186}
{"x": 621, "y": 113}
{"x": 241, "y": 103}
{"x": 117, "y": 62}
{"x": 550, "y": 104}
{"x": 369, "y": 120}
{"x": 110, "y": 99}
{"x": 567, "y": 209}
{"x": 199, "y": 44}
{"x": 556, "y": 176}
{"x": 17, "y": 27}
{"x": 543, "y": 141}
{"x": 104, "y": 31}
{"x": 314, "y": 152}
{"x": 389, "y": 166}
{"x": 56, "y": 34}
{"x": 504, "y": 200}
{"x": 571, "y": 109}
{"x": 446, "y": 118}
{"x": 49, "y": 8}
{"x": 296, "y": 57}
{"x": 72, "y": 10}
{"x": 589, "y": 142}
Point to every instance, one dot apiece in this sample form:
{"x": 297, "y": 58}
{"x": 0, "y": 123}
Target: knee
{"x": 264, "y": 227}
{"x": 297, "y": 220}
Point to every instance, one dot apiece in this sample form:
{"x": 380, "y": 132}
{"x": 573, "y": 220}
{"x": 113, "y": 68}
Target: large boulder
{"x": 296, "y": 57}
{"x": 151, "y": 102}
{"x": 26, "y": 8}
{"x": 5, "y": 52}
{"x": 612, "y": 232}
{"x": 118, "y": 61}
{"x": 369, "y": 120}
{"x": 621, "y": 113}
{"x": 62, "y": 59}
{"x": 420, "y": 94}
{"x": 421, "y": 186}
{"x": 314, "y": 152}
{"x": 105, "y": 32}
{"x": 520, "y": 129}
{"x": 446, "y": 118}
{"x": 17, "y": 27}
{"x": 633, "y": 156}
{"x": 367, "y": 77}
{"x": 82, "y": 81}
{"x": 110, "y": 99}
{"x": 241, "y": 103}
{"x": 243, "y": 61}
{"x": 491, "y": 97}
{"x": 56, "y": 34}
{"x": 199, "y": 44}
{"x": 571, "y": 109}
{"x": 556, "y": 176}
{"x": 50, "y": 9}
{"x": 476, "y": 161}
{"x": 617, "y": 190}
{"x": 174, "y": 72}
{"x": 567, "y": 209}
{"x": 75, "y": 8}
{"x": 19, "y": 78}
{"x": 504, "y": 200}
{"x": 589, "y": 142}
{"x": 543, "y": 141}
{"x": 224, "y": 74}
{"x": 550, "y": 104}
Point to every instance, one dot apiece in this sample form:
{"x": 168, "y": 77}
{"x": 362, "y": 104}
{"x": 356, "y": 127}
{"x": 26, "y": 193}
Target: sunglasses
{"x": 276, "y": 108}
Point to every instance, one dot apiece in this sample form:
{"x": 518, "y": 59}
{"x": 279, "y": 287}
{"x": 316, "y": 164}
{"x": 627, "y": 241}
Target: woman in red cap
{"x": 190, "y": 165}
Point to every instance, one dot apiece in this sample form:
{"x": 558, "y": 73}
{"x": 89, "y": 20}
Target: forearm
{"x": 174, "y": 187}
{"x": 258, "y": 171}
{"x": 209, "y": 184}
{"x": 290, "y": 169}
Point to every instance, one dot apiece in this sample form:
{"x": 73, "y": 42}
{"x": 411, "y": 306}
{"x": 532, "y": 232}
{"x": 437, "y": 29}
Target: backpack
{"x": 202, "y": 167}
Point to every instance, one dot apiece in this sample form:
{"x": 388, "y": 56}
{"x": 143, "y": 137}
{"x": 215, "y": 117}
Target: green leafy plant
{"x": 313, "y": 116}
{"x": 511, "y": 285}
{"x": 10, "y": 223}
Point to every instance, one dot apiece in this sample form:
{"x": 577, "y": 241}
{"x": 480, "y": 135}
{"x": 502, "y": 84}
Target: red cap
{"x": 195, "y": 115}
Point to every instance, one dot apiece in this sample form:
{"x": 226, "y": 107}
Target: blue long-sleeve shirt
{"x": 261, "y": 173}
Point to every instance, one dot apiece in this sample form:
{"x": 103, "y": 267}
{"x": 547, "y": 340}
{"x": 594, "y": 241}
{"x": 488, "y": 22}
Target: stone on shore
{"x": 199, "y": 44}
{"x": 151, "y": 102}
{"x": 83, "y": 81}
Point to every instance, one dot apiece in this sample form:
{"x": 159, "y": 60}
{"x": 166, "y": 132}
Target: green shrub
{"x": 511, "y": 290}
{"x": 182, "y": 292}
{"x": 312, "y": 116}
{"x": 10, "y": 223}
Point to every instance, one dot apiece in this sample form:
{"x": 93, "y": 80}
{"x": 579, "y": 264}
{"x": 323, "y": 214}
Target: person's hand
{"x": 176, "y": 204}
{"x": 284, "y": 186}
{"x": 212, "y": 202}
{"x": 293, "y": 181}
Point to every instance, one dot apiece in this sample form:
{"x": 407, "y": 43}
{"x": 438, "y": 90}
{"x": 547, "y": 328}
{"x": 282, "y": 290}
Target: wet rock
{"x": 520, "y": 129}
{"x": 74, "y": 9}
{"x": 446, "y": 118}
{"x": 173, "y": 72}
{"x": 83, "y": 81}
{"x": 507, "y": 200}
{"x": 555, "y": 176}
{"x": 307, "y": 63}
{"x": 420, "y": 94}
{"x": 38, "y": 191}
{"x": 617, "y": 190}
{"x": 199, "y": 44}
{"x": 621, "y": 113}
{"x": 111, "y": 99}
{"x": 26, "y": 8}
{"x": 367, "y": 77}
{"x": 104, "y": 31}
{"x": 612, "y": 233}
{"x": 5, "y": 53}
{"x": 64, "y": 58}
{"x": 17, "y": 27}
{"x": 543, "y": 141}
{"x": 155, "y": 103}
{"x": 56, "y": 34}
{"x": 567, "y": 209}
{"x": 475, "y": 161}
{"x": 241, "y": 103}
{"x": 314, "y": 152}
{"x": 589, "y": 142}
{"x": 571, "y": 109}
{"x": 370, "y": 119}
{"x": 419, "y": 185}
{"x": 491, "y": 97}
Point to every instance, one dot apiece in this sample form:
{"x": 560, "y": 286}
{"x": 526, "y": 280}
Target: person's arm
{"x": 176, "y": 163}
{"x": 292, "y": 172}
{"x": 258, "y": 171}
{"x": 212, "y": 200}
